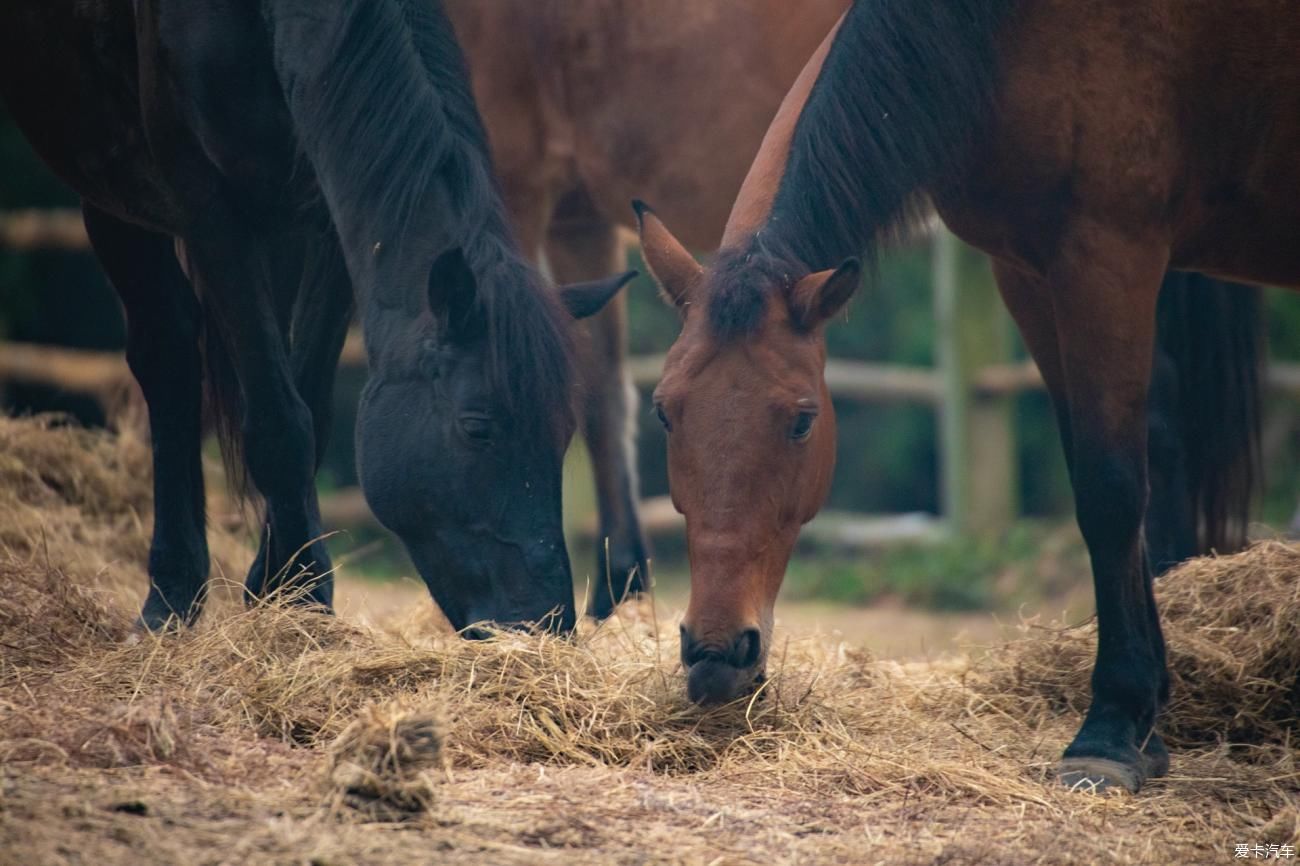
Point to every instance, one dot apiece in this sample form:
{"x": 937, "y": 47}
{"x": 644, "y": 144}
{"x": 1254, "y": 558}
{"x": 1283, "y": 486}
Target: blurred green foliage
{"x": 1032, "y": 561}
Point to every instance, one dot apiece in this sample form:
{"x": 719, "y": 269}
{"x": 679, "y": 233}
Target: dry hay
{"x": 1232, "y": 627}
{"x": 213, "y": 746}
{"x": 381, "y": 764}
{"x": 82, "y": 501}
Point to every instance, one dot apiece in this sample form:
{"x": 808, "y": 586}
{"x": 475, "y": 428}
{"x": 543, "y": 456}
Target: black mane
{"x": 527, "y": 327}
{"x": 902, "y": 97}
{"x": 420, "y": 161}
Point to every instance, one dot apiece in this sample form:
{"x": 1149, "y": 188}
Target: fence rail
{"x": 86, "y": 371}
{"x": 42, "y": 228}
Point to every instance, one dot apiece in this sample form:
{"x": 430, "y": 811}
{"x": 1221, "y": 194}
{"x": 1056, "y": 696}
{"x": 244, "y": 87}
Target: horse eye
{"x": 803, "y": 425}
{"x": 663, "y": 417}
{"x": 477, "y": 427}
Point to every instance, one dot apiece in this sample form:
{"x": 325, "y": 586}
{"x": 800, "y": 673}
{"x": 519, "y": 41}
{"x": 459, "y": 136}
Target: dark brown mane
{"x": 903, "y": 94}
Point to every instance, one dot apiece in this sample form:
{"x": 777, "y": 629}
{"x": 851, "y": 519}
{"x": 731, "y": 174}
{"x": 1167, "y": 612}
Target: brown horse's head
{"x": 751, "y": 438}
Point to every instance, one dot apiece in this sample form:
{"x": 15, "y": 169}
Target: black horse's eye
{"x": 803, "y": 424}
{"x": 478, "y": 428}
{"x": 663, "y": 417}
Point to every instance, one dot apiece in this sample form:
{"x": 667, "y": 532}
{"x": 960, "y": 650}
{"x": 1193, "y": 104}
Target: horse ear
{"x": 673, "y": 268}
{"x": 453, "y": 291}
{"x": 589, "y": 298}
{"x": 819, "y": 296}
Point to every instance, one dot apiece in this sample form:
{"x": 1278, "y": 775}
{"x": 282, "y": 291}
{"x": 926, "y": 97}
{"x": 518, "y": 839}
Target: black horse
{"x": 249, "y": 171}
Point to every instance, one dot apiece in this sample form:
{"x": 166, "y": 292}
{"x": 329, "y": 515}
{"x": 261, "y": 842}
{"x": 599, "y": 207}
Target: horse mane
{"x": 901, "y": 99}
{"x": 403, "y": 81}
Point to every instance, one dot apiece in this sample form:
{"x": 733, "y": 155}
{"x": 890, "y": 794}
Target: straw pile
{"x": 214, "y": 746}
{"x": 82, "y": 501}
{"x": 1233, "y": 644}
{"x": 380, "y": 765}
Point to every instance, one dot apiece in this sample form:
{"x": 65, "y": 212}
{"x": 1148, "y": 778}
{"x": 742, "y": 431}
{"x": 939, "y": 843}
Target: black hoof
{"x": 1099, "y": 775}
{"x": 304, "y": 580}
{"x": 623, "y": 581}
{"x": 158, "y": 616}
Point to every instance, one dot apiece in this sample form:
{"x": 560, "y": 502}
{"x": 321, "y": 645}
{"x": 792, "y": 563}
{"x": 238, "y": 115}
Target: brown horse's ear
{"x": 818, "y": 297}
{"x": 589, "y": 298}
{"x": 673, "y": 268}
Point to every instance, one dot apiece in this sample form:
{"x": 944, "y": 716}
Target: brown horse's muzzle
{"x": 718, "y": 673}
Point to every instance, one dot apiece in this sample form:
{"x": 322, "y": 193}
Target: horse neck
{"x": 753, "y": 204}
{"x": 887, "y": 108}
{"x": 381, "y": 107}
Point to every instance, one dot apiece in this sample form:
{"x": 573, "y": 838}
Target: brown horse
{"x": 564, "y": 90}
{"x": 1086, "y": 147}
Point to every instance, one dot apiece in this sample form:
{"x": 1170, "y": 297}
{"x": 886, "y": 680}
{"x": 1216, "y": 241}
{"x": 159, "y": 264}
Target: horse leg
{"x": 1097, "y": 367}
{"x": 580, "y": 248}
{"x": 321, "y": 314}
{"x": 231, "y": 266}
{"x": 162, "y": 350}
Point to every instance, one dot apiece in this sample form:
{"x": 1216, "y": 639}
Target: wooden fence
{"x": 972, "y": 387}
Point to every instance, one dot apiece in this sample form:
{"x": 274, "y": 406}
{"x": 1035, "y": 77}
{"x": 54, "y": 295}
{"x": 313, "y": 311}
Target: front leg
{"x": 230, "y": 264}
{"x": 162, "y": 349}
{"x": 1093, "y": 356}
{"x": 1104, "y": 287}
{"x": 582, "y": 249}
{"x": 322, "y": 312}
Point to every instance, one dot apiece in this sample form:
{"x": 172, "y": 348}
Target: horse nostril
{"x": 745, "y": 649}
{"x": 693, "y": 652}
{"x": 743, "y": 653}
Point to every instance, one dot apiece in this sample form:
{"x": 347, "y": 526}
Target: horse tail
{"x": 1211, "y": 332}
{"x": 223, "y": 401}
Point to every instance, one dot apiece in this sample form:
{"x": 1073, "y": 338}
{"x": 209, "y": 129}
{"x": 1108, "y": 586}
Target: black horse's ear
{"x": 589, "y": 298}
{"x": 453, "y": 291}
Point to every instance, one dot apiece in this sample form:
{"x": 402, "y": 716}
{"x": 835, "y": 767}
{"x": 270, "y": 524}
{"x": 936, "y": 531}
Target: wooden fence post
{"x": 978, "y": 471}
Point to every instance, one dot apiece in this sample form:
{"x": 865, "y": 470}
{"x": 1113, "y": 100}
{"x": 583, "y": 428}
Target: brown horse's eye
{"x": 803, "y": 425}
{"x": 663, "y": 417}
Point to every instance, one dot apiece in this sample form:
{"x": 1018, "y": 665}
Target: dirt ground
{"x": 887, "y": 630}
{"x": 276, "y": 736}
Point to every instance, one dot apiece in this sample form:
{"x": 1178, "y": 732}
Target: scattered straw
{"x": 210, "y": 746}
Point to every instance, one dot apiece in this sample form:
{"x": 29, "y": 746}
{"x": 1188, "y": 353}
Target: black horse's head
{"x": 461, "y": 435}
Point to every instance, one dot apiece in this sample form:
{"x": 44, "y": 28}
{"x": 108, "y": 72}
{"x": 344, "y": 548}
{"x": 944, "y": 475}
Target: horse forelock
{"x": 742, "y": 281}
